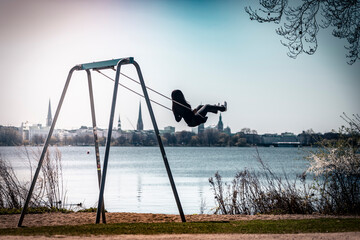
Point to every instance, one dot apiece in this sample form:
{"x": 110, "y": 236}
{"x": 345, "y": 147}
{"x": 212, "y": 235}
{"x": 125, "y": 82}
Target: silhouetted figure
{"x": 182, "y": 109}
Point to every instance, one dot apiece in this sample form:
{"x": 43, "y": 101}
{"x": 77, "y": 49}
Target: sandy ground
{"x": 52, "y": 219}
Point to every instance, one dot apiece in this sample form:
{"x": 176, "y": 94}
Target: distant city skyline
{"x": 139, "y": 127}
{"x": 211, "y": 135}
{"x": 210, "y": 50}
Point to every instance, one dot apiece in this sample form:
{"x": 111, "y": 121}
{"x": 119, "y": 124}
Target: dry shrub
{"x": 11, "y": 190}
{"x": 49, "y": 189}
{"x": 262, "y": 193}
{"x": 335, "y": 188}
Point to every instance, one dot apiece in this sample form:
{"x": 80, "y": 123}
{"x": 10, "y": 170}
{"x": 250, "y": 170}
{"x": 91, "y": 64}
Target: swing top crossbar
{"x": 104, "y": 64}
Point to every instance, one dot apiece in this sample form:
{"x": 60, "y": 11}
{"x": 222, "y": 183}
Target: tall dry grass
{"x": 334, "y": 189}
{"x": 262, "y": 192}
{"x": 49, "y": 191}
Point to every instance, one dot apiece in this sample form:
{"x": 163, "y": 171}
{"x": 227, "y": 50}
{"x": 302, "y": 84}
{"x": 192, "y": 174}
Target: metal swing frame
{"x": 102, "y": 176}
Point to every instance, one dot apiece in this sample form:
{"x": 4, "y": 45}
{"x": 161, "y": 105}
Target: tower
{"x": 220, "y": 125}
{"x": 119, "y": 124}
{"x": 140, "y": 125}
{"x": 49, "y": 117}
{"x": 201, "y": 128}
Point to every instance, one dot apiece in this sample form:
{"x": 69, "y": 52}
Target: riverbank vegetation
{"x": 333, "y": 189}
{"x": 49, "y": 193}
{"x": 331, "y": 185}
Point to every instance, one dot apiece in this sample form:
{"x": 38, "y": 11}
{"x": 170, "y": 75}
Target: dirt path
{"x": 302, "y": 236}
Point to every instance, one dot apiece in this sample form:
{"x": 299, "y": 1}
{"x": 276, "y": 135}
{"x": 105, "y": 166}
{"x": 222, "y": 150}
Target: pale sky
{"x": 210, "y": 50}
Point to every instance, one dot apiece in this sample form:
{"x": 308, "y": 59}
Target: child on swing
{"x": 182, "y": 109}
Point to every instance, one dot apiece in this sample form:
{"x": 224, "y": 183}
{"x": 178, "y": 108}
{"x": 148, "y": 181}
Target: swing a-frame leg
{"x": 102, "y": 177}
{"x": 107, "y": 150}
{"x": 96, "y": 140}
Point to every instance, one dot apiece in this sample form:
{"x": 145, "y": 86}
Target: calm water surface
{"x": 137, "y": 180}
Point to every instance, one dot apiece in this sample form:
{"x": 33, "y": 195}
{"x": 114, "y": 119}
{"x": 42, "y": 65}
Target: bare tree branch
{"x": 301, "y": 23}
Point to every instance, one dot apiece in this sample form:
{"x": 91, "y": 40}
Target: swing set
{"x": 97, "y": 66}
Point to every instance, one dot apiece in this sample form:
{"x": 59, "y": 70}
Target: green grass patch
{"x": 89, "y": 210}
{"x": 254, "y": 226}
{"x": 8, "y": 211}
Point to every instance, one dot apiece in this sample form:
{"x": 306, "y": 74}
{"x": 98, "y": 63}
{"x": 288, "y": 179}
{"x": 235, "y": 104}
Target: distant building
{"x": 24, "y": 131}
{"x": 227, "y": 130}
{"x": 29, "y": 132}
{"x": 251, "y": 138}
{"x": 288, "y": 137}
{"x": 269, "y": 139}
{"x": 213, "y": 126}
{"x": 168, "y": 129}
{"x": 220, "y": 125}
{"x": 140, "y": 125}
{"x": 49, "y": 116}
{"x": 38, "y": 130}
{"x": 306, "y": 138}
{"x": 285, "y": 139}
{"x": 119, "y": 124}
{"x": 201, "y": 128}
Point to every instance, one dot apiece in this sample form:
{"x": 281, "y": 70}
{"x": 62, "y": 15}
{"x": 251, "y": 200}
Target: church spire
{"x": 140, "y": 125}
{"x": 119, "y": 124}
{"x": 220, "y": 124}
{"x": 49, "y": 116}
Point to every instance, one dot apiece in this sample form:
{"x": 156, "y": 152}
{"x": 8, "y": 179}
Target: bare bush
{"x": 335, "y": 188}
{"x": 11, "y": 190}
{"x": 49, "y": 191}
{"x": 52, "y": 180}
{"x": 262, "y": 193}
{"x": 336, "y": 165}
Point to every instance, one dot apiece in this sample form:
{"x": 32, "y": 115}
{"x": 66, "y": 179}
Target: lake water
{"x": 137, "y": 180}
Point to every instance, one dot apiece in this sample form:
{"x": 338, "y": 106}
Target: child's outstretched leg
{"x": 211, "y": 108}
{"x": 225, "y": 107}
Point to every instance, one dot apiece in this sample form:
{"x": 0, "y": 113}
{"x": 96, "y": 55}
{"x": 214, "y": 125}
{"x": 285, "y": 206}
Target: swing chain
{"x": 147, "y": 88}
